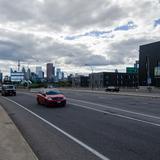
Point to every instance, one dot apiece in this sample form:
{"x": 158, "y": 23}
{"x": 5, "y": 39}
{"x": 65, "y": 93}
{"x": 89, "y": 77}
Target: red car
{"x": 51, "y": 98}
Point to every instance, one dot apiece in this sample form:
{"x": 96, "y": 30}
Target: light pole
{"x": 92, "y": 76}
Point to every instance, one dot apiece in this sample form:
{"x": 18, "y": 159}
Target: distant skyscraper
{"x": 58, "y": 74}
{"x": 39, "y": 72}
{"x": 62, "y": 73}
{"x": 50, "y": 72}
{"x": 28, "y": 74}
{"x": 38, "y": 69}
{"x": 24, "y": 71}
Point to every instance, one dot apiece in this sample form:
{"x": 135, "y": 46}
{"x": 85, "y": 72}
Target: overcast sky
{"x": 105, "y": 34}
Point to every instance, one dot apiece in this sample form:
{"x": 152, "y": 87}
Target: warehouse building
{"x": 149, "y": 64}
{"x": 104, "y": 79}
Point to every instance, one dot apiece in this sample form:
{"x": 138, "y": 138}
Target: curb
{"x": 12, "y": 144}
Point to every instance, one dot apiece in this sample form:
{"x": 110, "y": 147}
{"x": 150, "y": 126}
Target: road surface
{"x": 91, "y": 126}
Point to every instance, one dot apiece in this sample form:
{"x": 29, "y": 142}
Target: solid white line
{"x": 118, "y": 109}
{"x": 93, "y": 151}
{"x": 115, "y": 114}
{"x": 109, "y": 107}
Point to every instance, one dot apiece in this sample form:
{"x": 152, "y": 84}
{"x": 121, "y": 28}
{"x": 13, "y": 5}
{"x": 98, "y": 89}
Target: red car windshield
{"x": 53, "y": 92}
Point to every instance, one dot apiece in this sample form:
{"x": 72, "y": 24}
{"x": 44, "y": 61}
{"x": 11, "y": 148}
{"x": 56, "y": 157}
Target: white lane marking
{"x": 93, "y": 151}
{"x": 115, "y": 114}
{"x": 118, "y": 109}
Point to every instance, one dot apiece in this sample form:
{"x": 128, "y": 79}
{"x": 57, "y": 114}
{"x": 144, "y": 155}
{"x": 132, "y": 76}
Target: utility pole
{"x": 92, "y": 77}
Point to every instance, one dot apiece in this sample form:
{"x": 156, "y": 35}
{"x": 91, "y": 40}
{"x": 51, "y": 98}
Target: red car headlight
{"x": 49, "y": 98}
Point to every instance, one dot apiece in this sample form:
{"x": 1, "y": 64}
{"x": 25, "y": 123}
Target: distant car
{"x": 0, "y": 89}
{"x": 112, "y": 89}
{"x": 8, "y": 89}
{"x": 51, "y": 98}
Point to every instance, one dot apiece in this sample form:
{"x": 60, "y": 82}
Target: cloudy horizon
{"x": 76, "y": 34}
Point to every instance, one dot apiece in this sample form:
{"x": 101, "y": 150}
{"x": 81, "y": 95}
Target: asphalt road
{"x": 90, "y": 127}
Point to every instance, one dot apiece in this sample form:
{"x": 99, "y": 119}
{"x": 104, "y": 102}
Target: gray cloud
{"x": 127, "y": 49}
{"x": 78, "y": 14}
{"x": 16, "y": 46}
{"x": 29, "y": 48}
{"x": 55, "y": 14}
{"x": 75, "y": 14}
{"x": 26, "y": 47}
{"x": 75, "y": 17}
{"x": 17, "y": 10}
{"x": 87, "y": 60}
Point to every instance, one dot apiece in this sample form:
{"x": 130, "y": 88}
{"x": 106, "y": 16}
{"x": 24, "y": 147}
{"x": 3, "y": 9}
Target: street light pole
{"x": 92, "y": 76}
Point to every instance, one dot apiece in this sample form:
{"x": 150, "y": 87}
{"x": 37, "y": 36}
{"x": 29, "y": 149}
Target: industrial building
{"x": 149, "y": 64}
{"x": 80, "y": 81}
{"x": 104, "y": 79}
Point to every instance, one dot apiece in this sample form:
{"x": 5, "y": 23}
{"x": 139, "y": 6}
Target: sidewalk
{"x": 12, "y": 144}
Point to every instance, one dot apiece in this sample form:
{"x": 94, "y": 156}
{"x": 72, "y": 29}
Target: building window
{"x": 107, "y": 77}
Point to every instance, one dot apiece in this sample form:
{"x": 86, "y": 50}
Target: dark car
{"x": 112, "y": 89}
{"x": 8, "y": 90}
{"x": 51, "y": 98}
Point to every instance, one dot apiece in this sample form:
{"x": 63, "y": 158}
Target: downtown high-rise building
{"x": 58, "y": 74}
{"x": 39, "y": 72}
{"x": 50, "y": 72}
{"x": 28, "y": 74}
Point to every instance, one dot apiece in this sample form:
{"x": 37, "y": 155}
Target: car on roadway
{"x": 112, "y": 89}
{"x": 51, "y": 98}
{"x": 8, "y": 89}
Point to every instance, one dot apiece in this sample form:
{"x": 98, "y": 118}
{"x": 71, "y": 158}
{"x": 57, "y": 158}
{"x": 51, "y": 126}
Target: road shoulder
{"x": 12, "y": 144}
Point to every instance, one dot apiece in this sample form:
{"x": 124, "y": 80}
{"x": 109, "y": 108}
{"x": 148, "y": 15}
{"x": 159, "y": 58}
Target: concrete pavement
{"x": 12, "y": 144}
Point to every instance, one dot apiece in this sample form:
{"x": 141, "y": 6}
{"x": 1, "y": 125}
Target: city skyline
{"x": 71, "y": 35}
{"x": 35, "y": 70}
